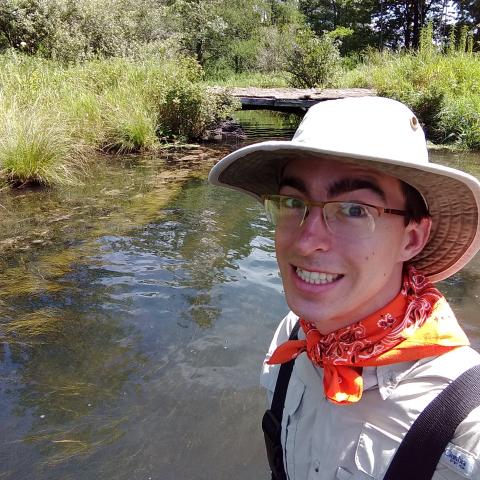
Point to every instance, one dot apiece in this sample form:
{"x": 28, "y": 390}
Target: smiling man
{"x": 364, "y": 225}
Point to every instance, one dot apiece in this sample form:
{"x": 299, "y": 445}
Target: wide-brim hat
{"x": 384, "y": 135}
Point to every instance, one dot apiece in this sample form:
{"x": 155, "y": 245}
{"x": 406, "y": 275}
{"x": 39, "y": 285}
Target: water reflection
{"x": 134, "y": 314}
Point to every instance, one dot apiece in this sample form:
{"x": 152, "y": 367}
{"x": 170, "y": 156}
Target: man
{"x": 364, "y": 225}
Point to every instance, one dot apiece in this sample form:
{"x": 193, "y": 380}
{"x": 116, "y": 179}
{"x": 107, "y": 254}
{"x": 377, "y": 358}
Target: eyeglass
{"x": 349, "y": 219}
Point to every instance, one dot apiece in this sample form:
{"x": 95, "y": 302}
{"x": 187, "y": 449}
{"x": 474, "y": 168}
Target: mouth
{"x": 317, "y": 278}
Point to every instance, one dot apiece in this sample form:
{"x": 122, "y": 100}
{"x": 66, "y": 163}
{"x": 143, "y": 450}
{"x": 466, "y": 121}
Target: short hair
{"x": 415, "y": 207}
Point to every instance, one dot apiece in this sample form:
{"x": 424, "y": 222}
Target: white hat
{"x": 385, "y": 135}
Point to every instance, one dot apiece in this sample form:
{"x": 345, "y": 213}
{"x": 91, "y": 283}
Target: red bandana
{"x": 417, "y": 323}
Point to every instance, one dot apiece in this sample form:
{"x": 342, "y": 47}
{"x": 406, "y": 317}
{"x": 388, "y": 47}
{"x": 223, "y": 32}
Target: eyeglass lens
{"x": 341, "y": 218}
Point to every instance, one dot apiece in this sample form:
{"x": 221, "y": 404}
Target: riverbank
{"x": 442, "y": 88}
{"x": 54, "y": 117}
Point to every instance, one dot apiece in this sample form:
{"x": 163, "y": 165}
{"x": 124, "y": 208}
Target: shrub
{"x": 51, "y": 114}
{"x": 188, "y": 109}
{"x": 70, "y": 31}
{"x": 459, "y": 121}
{"x": 443, "y": 89}
{"x": 35, "y": 149}
{"x": 313, "y": 61}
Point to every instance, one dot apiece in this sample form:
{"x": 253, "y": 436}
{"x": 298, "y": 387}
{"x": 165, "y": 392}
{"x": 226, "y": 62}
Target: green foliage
{"x": 444, "y": 90}
{"x": 52, "y": 115}
{"x": 459, "y": 121}
{"x": 451, "y": 40}
{"x": 73, "y": 30}
{"x": 427, "y": 46}
{"x": 462, "y": 41}
{"x": 247, "y": 79}
{"x": 275, "y": 48}
{"x": 200, "y": 26}
{"x": 35, "y": 149}
{"x": 313, "y": 61}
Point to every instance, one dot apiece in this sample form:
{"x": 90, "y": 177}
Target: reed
{"x": 36, "y": 147}
{"x": 443, "y": 88}
{"x": 52, "y": 116}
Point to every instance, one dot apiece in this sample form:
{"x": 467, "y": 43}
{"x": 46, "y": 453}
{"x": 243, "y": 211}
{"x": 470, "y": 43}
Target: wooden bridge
{"x": 289, "y": 99}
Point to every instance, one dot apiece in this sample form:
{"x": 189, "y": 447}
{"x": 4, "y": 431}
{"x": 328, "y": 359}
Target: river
{"x": 136, "y": 310}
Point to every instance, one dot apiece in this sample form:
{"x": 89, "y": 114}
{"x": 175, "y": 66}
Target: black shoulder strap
{"x": 421, "y": 449}
{"x": 284, "y": 374}
{"x": 272, "y": 420}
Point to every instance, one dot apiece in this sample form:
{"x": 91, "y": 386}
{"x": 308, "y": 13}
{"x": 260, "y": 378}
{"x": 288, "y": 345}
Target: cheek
{"x": 282, "y": 242}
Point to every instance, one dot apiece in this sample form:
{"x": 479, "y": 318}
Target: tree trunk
{"x": 199, "y": 52}
{"x": 335, "y": 14}
{"x": 408, "y": 24}
{"x": 417, "y": 23}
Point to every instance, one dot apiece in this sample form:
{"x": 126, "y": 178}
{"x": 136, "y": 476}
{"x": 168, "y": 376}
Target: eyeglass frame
{"x": 311, "y": 203}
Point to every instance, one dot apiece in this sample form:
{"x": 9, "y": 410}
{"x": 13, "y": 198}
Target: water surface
{"x": 135, "y": 313}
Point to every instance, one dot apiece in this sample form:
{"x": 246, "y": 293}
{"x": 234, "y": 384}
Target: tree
{"x": 327, "y": 15}
{"x": 380, "y": 23}
{"x": 200, "y": 28}
{"x": 400, "y": 22}
{"x": 314, "y": 61}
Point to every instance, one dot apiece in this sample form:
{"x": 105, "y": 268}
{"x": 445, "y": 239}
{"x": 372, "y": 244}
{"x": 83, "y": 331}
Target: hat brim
{"x": 452, "y": 196}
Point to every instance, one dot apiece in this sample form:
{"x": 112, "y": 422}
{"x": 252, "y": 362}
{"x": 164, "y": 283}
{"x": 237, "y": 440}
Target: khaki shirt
{"x": 325, "y": 441}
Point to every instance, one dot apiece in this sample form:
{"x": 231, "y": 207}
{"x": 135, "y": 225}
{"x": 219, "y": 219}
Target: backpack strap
{"x": 421, "y": 449}
{"x": 272, "y": 420}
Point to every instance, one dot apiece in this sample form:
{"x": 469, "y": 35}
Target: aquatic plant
{"x": 444, "y": 89}
{"x": 51, "y": 115}
{"x": 36, "y": 148}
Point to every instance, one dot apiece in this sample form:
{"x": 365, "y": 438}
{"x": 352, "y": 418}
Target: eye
{"x": 354, "y": 210}
{"x": 292, "y": 203}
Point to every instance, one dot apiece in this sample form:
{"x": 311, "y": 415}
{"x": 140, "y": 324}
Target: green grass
{"x": 36, "y": 148}
{"x": 251, "y": 79}
{"x": 444, "y": 90}
{"x": 52, "y": 116}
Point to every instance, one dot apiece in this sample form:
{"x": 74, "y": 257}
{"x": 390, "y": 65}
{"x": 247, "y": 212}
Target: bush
{"x": 276, "y": 49}
{"x": 459, "y": 121}
{"x": 313, "y": 61}
{"x": 52, "y": 115}
{"x": 76, "y": 30}
{"x": 443, "y": 89}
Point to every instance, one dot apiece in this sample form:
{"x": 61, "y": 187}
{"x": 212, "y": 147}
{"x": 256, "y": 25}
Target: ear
{"x": 415, "y": 238}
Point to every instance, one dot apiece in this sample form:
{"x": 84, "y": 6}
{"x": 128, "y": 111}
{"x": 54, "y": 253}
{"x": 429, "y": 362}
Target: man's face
{"x": 362, "y": 274}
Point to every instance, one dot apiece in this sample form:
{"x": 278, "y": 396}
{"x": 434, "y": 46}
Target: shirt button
{"x": 390, "y": 379}
{"x": 316, "y": 466}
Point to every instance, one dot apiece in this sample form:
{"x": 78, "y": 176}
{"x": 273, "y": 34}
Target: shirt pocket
{"x": 375, "y": 450}
{"x": 290, "y": 423}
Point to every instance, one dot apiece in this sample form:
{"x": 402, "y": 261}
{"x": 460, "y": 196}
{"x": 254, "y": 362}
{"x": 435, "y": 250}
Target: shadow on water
{"x": 135, "y": 312}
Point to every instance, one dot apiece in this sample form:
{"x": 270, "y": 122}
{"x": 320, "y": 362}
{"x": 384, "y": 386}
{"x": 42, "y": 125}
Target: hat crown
{"x": 370, "y": 126}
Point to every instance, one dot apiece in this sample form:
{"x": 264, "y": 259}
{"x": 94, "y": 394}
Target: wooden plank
{"x": 289, "y": 99}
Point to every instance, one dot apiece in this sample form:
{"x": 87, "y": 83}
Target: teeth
{"x": 318, "y": 278}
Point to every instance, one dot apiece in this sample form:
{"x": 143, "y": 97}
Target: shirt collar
{"x": 387, "y": 377}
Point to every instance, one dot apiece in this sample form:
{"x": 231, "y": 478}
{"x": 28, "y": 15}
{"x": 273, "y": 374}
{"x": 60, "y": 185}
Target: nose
{"x": 313, "y": 233}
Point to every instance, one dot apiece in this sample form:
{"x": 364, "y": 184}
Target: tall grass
{"x": 53, "y": 115}
{"x": 37, "y": 147}
{"x": 443, "y": 88}
{"x": 251, "y": 79}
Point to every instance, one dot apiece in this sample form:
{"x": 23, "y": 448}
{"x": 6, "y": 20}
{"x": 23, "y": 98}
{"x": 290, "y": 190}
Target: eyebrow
{"x": 339, "y": 187}
{"x": 294, "y": 183}
{"x": 346, "y": 185}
